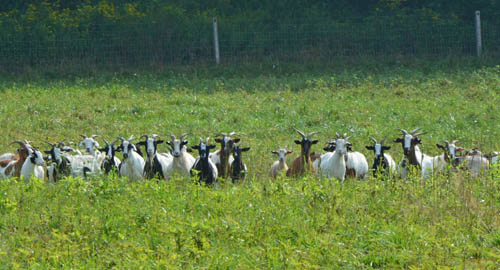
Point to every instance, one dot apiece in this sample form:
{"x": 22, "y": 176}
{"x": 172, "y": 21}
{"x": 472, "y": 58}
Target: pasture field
{"x": 308, "y": 223}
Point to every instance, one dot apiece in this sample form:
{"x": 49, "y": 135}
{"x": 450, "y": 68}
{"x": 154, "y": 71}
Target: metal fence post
{"x": 216, "y": 42}
{"x": 478, "y": 33}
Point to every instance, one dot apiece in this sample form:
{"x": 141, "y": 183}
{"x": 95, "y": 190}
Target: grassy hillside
{"x": 449, "y": 221}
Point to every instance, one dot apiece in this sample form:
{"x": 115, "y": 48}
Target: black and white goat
{"x": 133, "y": 163}
{"x": 156, "y": 165}
{"x": 203, "y": 167}
{"x": 383, "y": 162}
{"x": 182, "y": 160}
{"x": 111, "y": 162}
{"x": 412, "y": 154}
{"x": 58, "y": 165}
{"x": 448, "y": 157}
{"x": 222, "y": 157}
{"x": 238, "y": 168}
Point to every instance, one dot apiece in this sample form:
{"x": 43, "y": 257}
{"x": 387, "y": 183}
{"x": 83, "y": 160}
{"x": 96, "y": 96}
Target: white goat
{"x": 182, "y": 160}
{"x": 132, "y": 165}
{"x": 356, "y": 163}
{"x": 476, "y": 162}
{"x": 333, "y": 164}
{"x": 279, "y": 166}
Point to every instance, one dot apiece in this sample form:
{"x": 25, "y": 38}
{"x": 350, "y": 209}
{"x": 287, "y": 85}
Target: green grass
{"x": 447, "y": 222}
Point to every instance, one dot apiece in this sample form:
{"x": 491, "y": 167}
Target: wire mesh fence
{"x": 163, "y": 43}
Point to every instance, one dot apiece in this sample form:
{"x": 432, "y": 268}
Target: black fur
{"x": 201, "y": 167}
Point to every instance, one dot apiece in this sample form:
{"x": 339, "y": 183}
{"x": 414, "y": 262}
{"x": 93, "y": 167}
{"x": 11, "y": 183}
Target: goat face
{"x": 450, "y": 149}
{"x": 227, "y": 142}
{"x": 177, "y": 144}
{"x": 306, "y": 142}
{"x": 89, "y": 143}
{"x": 342, "y": 146}
{"x": 204, "y": 149}
{"x": 36, "y": 157}
{"x": 409, "y": 140}
{"x": 55, "y": 153}
{"x": 151, "y": 144}
{"x": 282, "y": 154}
{"x": 126, "y": 147}
{"x": 109, "y": 149}
{"x": 378, "y": 150}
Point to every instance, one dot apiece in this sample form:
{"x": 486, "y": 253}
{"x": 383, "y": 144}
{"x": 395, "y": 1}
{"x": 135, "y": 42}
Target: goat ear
{"x": 218, "y": 140}
{"x": 418, "y": 140}
{"x": 314, "y": 142}
{"x": 289, "y": 152}
{"x": 398, "y": 140}
{"x": 245, "y": 149}
{"x": 169, "y": 143}
{"x": 298, "y": 142}
{"x": 211, "y": 146}
{"x": 274, "y": 152}
{"x": 141, "y": 143}
{"x": 369, "y": 147}
{"x": 159, "y": 142}
{"x": 386, "y": 147}
{"x": 197, "y": 147}
{"x": 189, "y": 150}
{"x": 440, "y": 146}
{"x": 47, "y": 152}
{"x": 459, "y": 149}
{"x": 236, "y": 140}
{"x": 184, "y": 142}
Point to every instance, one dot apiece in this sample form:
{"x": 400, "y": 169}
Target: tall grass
{"x": 450, "y": 221}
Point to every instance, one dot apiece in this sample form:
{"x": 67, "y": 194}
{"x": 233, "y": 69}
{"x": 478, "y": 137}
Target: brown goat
{"x": 12, "y": 167}
{"x": 302, "y": 163}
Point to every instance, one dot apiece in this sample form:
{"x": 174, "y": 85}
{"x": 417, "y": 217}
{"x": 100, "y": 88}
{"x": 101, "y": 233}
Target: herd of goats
{"x": 339, "y": 161}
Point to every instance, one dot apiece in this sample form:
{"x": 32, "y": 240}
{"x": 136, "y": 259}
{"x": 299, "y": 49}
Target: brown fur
{"x": 23, "y": 154}
{"x": 299, "y": 166}
{"x": 350, "y": 172}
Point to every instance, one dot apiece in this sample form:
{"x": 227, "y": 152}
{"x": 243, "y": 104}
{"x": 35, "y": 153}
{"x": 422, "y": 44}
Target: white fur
{"x": 6, "y": 156}
{"x": 30, "y": 169}
{"x": 333, "y": 164}
{"x": 357, "y": 161}
{"x": 182, "y": 161}
{"x": 279, "y": 166}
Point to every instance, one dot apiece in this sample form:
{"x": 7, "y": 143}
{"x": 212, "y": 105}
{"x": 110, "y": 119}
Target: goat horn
{"x": 232, "y": 133}
{"x": 94, "y": 136}
{"x": 347, "y": 138}
{"x": 131, "y": 138}
{"x": 418, "y": 134}
{"x": 301, "y": 133}
{"x": 201, "y": 140}
{"x": 404, "y": 131}
{"x": 221, "y": 134}
{"x": 83, "y": 136}
{"x": 60, "y": 144}
{"x": 414, "y": 131}
{"x": 51, "y": 144}
{"x": 311, "y": 133}
{"x": 172, "y": 136}
{"x": 374, "y": 140}
{"x": 455, "y": 141}
{"x": 21, "y": 143}
{"x": 105, "y": 141}
{"x": 337, "y": 134}
{"x": 382, "y": 141}
{"x": 344, "y": 136}
{"x": 144, "y": 136}
{"x": 446, "y": 142}
{"x": 183, "y": 135}
{"x": 208, "y": 138}
{"x": 121, "y": 138}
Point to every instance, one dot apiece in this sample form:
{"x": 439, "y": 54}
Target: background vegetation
{"x": 69, "y": 34}
{"x": 307, "y": 223}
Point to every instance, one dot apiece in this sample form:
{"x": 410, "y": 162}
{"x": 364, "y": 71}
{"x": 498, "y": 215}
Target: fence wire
{"x": 164, "y": 44}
